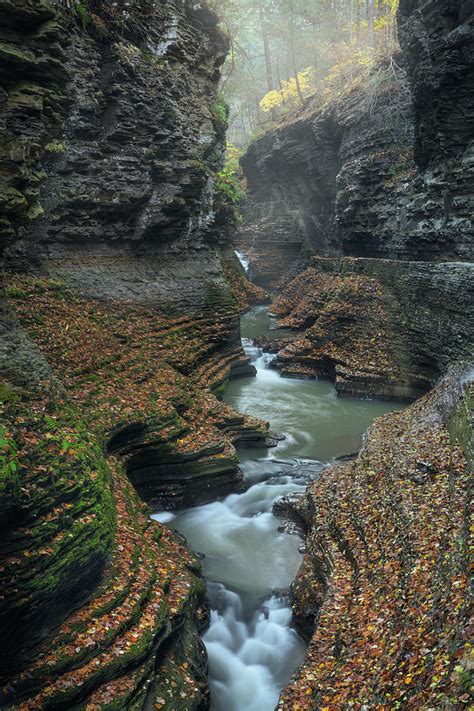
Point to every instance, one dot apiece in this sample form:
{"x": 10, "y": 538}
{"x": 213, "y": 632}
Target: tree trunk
{"x": 315, "y": 43}
{"x": 257, "y": 111}
{"x": 266, "y": 50}
{"x": 351, "y": 19}
{"x": 357, "y": 19}
{"x": 266, "y": 47}
{"x": 370, "y": 18}
{"x": 293, "y": 54}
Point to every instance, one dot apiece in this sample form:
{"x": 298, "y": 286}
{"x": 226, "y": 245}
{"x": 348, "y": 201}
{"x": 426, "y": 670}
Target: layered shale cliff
{"x": 360, "y": 217}
{"x": 120, "y": 324}
{"x": 378, "y": 185}
{"x": 386, "y": 170}
{"x": 383, "y": 592}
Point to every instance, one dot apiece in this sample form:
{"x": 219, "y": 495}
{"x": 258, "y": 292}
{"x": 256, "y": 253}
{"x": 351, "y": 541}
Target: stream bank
{"x": 248, "y": 560}
{"x": 118, "y": 325}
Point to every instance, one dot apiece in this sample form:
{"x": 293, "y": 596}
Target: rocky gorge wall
{"x": 376, "y": 326}
{"x": 383, "y": 592}
{"x": 120, "y": 324}
{"x": 360, "y": 219}
{"x": 382, "y": 173}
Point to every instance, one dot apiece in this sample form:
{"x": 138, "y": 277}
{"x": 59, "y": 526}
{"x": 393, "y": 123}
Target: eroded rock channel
{"x": 120, "y": 304}
{"x": 249, "y": 560}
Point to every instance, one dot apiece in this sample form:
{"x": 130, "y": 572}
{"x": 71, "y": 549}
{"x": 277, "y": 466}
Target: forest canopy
{"x": 283, "y": 52}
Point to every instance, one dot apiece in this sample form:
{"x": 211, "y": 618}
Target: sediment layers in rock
{"x": 129, "y": 152}
{"x": 273, "y": 244}
{"x": 112, "y": 348}
{"x": 139, "y": 383}
{"x": 144, "y": 380}
{"x": 385, "y": 576}
{"x": 363, "y": 179}
{"x": 84, "y": 553}
{"x": 437, "y": 41}
{"x": 377, "y": 327}
{"x": 332, "y": 181}
{"x": 384, "y": 171}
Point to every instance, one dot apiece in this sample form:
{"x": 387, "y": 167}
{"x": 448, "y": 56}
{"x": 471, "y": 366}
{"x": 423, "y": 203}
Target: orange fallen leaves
{"x": 387, "y": 566}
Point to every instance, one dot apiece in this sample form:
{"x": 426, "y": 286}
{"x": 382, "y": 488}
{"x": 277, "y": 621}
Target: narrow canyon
{"x": 236, "y": 435}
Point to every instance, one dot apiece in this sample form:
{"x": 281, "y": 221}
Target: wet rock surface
{"x": 383, "y": 589}
{"x": 377, "y": 327}
{"x": 363, "y": 183}
{"x": 118, "y": 329}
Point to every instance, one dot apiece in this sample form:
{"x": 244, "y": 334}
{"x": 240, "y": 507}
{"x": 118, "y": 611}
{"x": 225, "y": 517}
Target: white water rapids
{"x": 248, "y": 563}
{"x": 251, "y": 646}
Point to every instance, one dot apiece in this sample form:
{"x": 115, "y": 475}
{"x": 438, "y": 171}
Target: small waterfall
{"x": 242, "y": 259}
{"x": 248, "y": 655}
{"x": 249, "y": 565}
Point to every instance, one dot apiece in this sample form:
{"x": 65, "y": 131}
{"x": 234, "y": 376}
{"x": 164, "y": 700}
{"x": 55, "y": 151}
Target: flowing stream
{"x": 248, "y": 562}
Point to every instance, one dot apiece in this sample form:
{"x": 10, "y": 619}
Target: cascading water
{"x": 248, "y": 562}
{"x": 249, "y": 565}
{"x": 243, "y": 259}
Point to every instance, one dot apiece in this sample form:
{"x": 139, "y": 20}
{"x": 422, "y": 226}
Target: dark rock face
{"x": 333, "y": 179}
{"x": 114, "y": 341}
{"x": 384, "y": 172}
{"x": 291, "y": 178}
{"x": 378, "y": 327}
{"x": 129, "y": 166}
{"x": 438, "y": 43}
{"x": 382, "y": 178}
{"x": 33, "y": 103}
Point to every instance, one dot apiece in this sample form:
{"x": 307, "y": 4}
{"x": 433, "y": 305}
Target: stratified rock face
{"x": 330, "y": 182}
{"x": 127, "y": 164}
{"x": 437, "y": 39}
{"x": 386, "y": 572}
{"x": 113, "y": 347}
{"x": 383, "y": 179}
{"x": 111, "y": 150}
{"x": 345, "y": 179}
{"x": 138, "y": 383}
{"x": 377, "y": 327}
{"x": 438, "y": 43}
{"x": 291, "y": 179}
{"x": 291, "y": 198}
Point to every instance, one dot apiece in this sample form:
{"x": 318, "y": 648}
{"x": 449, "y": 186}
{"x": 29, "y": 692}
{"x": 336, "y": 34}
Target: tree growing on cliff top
{"x": 275, "y": 44}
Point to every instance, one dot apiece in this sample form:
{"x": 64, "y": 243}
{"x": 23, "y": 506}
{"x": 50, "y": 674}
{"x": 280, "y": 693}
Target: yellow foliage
{"x": 271, "y": 100}
{"x": 289, "y": 91}
{"x": 350, "y": 62}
